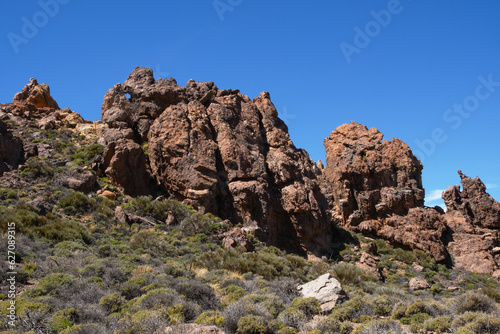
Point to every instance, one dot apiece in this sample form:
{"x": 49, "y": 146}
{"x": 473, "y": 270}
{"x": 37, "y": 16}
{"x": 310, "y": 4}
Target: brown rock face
{"x": 473, "y": 202}
{"x": 38, "y": 95}
{"x": 473, "y": 217}
{"x": 11, "y": 149}
{"x": 377, "y": 189}
{"x": 371, "y": 178}
{"x": 221, "y": 151}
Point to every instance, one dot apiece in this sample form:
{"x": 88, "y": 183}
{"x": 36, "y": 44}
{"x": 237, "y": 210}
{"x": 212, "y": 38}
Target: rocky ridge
{"x": 224, "y": 153}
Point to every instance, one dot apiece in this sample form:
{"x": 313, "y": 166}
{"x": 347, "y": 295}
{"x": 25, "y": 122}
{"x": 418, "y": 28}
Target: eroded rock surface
{"x": 473, "y": 217}
{"x": 218, "y": 150}
{"x": 377, "y": 189}
{"x": 11, "y": 149}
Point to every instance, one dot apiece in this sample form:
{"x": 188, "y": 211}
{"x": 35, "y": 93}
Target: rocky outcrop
{"x": 326, "y": 289}
{"x": 473, "y": 217}
{"x": 11, "y": 149}
{"x": 217, "y": 150}
{"x": 377, "y": 189}
{"x": 38, "y": 95}
{"x": 473, "y": 202}
{"x": 371, "y": 178}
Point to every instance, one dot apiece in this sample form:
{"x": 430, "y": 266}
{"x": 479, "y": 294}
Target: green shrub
{"x": 64, "y": 319}
{"x": 399, "y": 310}
{"x": 474, "y": 302}
{"x": 50, "y": 285}
{"x": 492, "y": 291}
{"x": 112, "y": 303}
{"x": 37, "y": 167}
{"x": 251, "y": 324}
{"x": 309, "y": 306}
{"x": 292, "y": 317}
{"x": 64, "y": 230}
{"x": 381, "y": 327}
{"x": 382, "y": 306}
{"x": 352, "y": 310}
{"x": 438, "y": 325}
{"x": 348, "y": 273}
{"x": 232, "y": 293}
{"x": 77, "y": 200}
{"x": 210, "y": 318}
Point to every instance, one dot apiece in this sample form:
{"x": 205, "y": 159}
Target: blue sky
{"x": 424, "y": 71}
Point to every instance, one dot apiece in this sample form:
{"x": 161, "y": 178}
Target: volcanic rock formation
{"x": 473, "y": 217}
{"x": 377, "y": 189}
{"x": 218, "y": 150}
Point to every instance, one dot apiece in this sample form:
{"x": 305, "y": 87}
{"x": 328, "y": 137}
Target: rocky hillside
{"x": 206, "y": 180}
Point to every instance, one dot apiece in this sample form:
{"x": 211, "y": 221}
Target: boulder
{"x": 80, "y": 179}
{"x": 418, "y": 283}
{"x": 326, "y": 289}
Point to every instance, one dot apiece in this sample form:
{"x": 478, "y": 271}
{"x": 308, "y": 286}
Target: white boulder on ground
{"x": 326, "y": 289}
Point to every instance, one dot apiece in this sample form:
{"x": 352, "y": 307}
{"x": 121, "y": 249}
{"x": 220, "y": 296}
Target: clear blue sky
{"x": 399, "y": 66}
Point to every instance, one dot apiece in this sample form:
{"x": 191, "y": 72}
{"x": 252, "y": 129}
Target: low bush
{"x": 112, "y": 303}
{"x": 381, "y": 327}
{"x": 309, "y": 306}
{"x": 438, "y": 325}
{"x": 474, "y": 302}
{"x": 351, "y": 274}
{"x": 251, "y": 324}
{"x": 210, "y": 318}
{"x": 64, "y": 319}
{"x": 292, "y": 317}
{"x": 50, "y": 284}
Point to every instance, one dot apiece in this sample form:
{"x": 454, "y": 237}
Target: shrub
{"x": 157, "y": 298}
{"x": 382, "y": 306}
{"x": 399, "y": 310}
{"x": 438, "y": 325}
{"x": 474, "y": 302}
{"x": 235, "y": 311}
{"x": 50, "y": 285}
{"x": 37, "y": 167}
{"x": 64, "y": 230}
{"x": 309, "y": 306}
{"x": 182, "y": 312}
{"x": 251, "y": 324}
{"x": 232, "y": 293}
{"x": 381, "y": 327}
{"x": 77, "y": 200}
{"x": 210, "y": 318}
{"x": 292, "y": 317}
{"x": 348, "y": 273}
{"x": 492, "y": 291}
{"x": 112, "y": 303}
{"x": 64, "y": 319}
{"x": 352, "y": 310}
{"x": 200, "y": 293}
